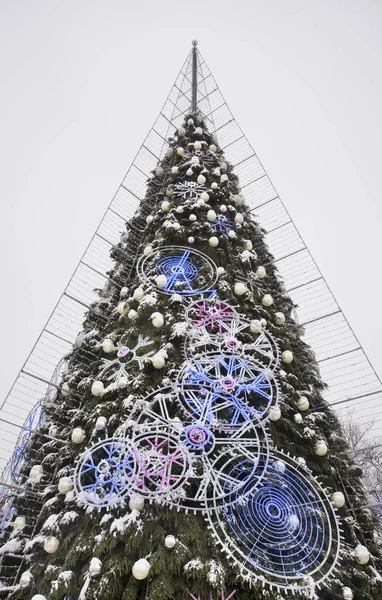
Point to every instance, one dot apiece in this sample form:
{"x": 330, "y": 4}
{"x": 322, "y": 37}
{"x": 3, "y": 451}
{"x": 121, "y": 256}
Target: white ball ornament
{"x": 302, "y": 403}
{"x": 320, "y": 448}
{"x": 240, "y": 289}
{"x": 301, "y": 461}
{"x": 195, "y": 160}
{"x": 51, "y": 544}
{"x": 239, "y": 218}
{"x": 136, "y": 502}
{"x": 26, "y": 579}
{"x": 124, "y": 291}
{"x": 95, "y": 567}
{"x": 170, "y": 151}
{"x": 248, "y": 245}
{"x": 169, "y": 192}
{"x": 279, "y": 466}
{"x": 132, "y": 314}
{"x": 65, "y": 485}
{"x": 141, "y": 569}
{"x": 192, "y": 218}
{"x": 175, "y": 170}
{"x": 176, "y": 225}
{"x": 297, "y": 418}
{"x": 223, "y": 208}
{"x": 362, "y": 554}
{"x": 65, "y": 389}
{"x": 214, "y": 186}
{"x": 157, "y": 319}
{"x": 19, "y": 522}
{"x": 197, "y": 145}
{"x": 138, "y": 294}
{"x": 191, "y": 240}
{"x": 204, "y": 196}
{"x": 107, "y": 345}
{"x": 39, "y": 597}
{"x": 36, "y": 472}
{"x": 198, "y": 131}
{"x": 223, "y": 178}
{"x": 255, "y": 326}
{"x": 267, "y": 300}
{"x": 261, "y": 272}
{"x": 78, "y": 435}
{"x": 212, "y": 148}
{"x": 165, "y": 206}
{"x": 149, "y": 219}
{"x": 263, "y": 322}
{"x": 279, "y": 318}
{"x": 159, "y": 171}
{"x": 180, "y": 151}
{"x": 294, "y": 521}
{"x": 158, "y": 361}
{"x": 287, "y": 356}
{"x": 347, "y": 593}
{"x": 220, "y": 271}
{"x": 231, "y": 234}
{"x": 190, "y": 122}
{"x": 213, "y": 241}
{"x": 189, "y": 172}
{"x": 170, "y": 541}
{"x": 211, "y": 215}
{"x": 97, "y": 388}
{"x": 100, "y": 424}
{"x": 161, "y": 281}
{"x": 123, "y": 308}
{"x": 148, "y": 250}
{"x": 201, "y": 179}
{"x": 338, "y": 499}
{"x": 275, "y": 414}
{"x": 181, "y": 132}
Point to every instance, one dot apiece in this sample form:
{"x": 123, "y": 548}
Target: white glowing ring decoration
{"x": 227, "y": 389}
{"x": 216, "y": 455}
{"x": 188, "y": 271}
{"x": 286, "y": 533}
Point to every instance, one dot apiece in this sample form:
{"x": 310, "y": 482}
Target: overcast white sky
{"x": 83, "y": 80}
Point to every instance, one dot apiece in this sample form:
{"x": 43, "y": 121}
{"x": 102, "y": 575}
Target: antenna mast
{"x": 194, "y": 101}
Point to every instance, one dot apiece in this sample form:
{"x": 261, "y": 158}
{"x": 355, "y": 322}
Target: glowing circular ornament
{"x": 95, "y": 567}
{"x": 136, "y": 502}
{"x": 213, "y": 241}
{"x": 188, "y": 271}
{"x": 181, "y": 132}
{"x": 100, "y": 424}
{"x": 255, "y": 326}
{"x": 132, "y": 314}
{"x": 347, "y": 593}
{"x": 141, "y": 569}
{"x": 26, "y": 579}
{"x": 220, "y": 271}
{"x": 170, "y": 541}
{"x": 261, "y": 272}
{"x": 192, "y": 218}
{"x": 211, "y": 215}
{"x": 191, "y": 239}
{"x": 297, "y": 418}
{"x": 212, "y": 148}
{"x": 189, "y": 172}
{"x": 267, "y": 300}
{"x": 65, "y": 485}
{"x": 204, "y": 196}
{"x": 157, "y": 319}
{"x": 51, "y": 544}
{"x": 338, "y": 499}
{"x": 97, "y": 388}
{"x": 320, "y": 448}
{"x": 362, "y": 554}
{"x": 175, "y": 170}
{"x": 138, "y": 294}
{"x": 240, "y": 289}
{"x": 201, "y": 179}
{"x": 161, "y": 281}
{"x": 239, "y": 218}
{"x": 303, "y": 403}
{"x": 108, "y": 346}
{"x": 214, "y": 186}
{"x": 195, "y": 160}
{"x": 78, "y": 435}
{"x": 123, "y": 308}
{"x": 36, "y": 472}
{"x": 275, "y": 414}
{"x": 158, "y": 361}
{"x": 279, "y": 318}
{"x": 285, "y": 534}
{"x": 149, "y": 219}
{"x": 287, "y": 356}
{"x": 197, "y": 145}
{"x": 159, "y": 171}
{"x": 198, "y": 131}
{"x": 39, "y": 597}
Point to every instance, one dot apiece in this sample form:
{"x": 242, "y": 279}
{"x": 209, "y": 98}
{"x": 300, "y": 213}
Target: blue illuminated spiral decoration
{"x": 198, "y": 439}
{"x": 285, "y": 531}
{"x": 33, "y": 421}
{"x": 178, "y": 270}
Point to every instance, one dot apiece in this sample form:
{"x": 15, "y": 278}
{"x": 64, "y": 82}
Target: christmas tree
{"x": 186, "y": 449}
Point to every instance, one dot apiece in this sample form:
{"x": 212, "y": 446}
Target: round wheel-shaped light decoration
{"x": 138, "y": 294}
{"x": 287, "y": 356}
{"x": 279, "y": 318}
{"x": 65, "y": 485}
{"x": 302, "y": 403}
{"x": 97, "y": 388}
{"x": 255, "y": 326}
{"x": 188, "y": 271}
{"x": 51, "y": 544}
{"x": 33, "y": 420}
{"x": 201, "y": 179}
{"x": 100, "y": 424}
{"x": 158, "y": 361}
{"x": 286, "y": 532}
{"x": 261, "y": 272}
{"x": 220, "y": 271}
{"x": 36, "y": 472}
{"x": 19, "y": 522}
{"x": 141, "y": 569}
{"x": 170, "y": 541}
{"x": 240, "y": 288}
{"x": 78, "y": 435}
{"x": 213, "y": 241}
{"x": 157, "y": 319}
{"x": 297, "y": 418}
{"x": 338, "y": 499}
{"x": 211, "y": 215}
{"x": 347, "y": 593}
{"x": 267, "y": 300}
{"x": 123, "y": 308}
{"x": 95, "y": 567}
{"x": 26, "y": 579}
{"x": 136, "y": 502}
{"x": 239, "y": 218}
{"x": 181, "y": 132}
{"x": 362, "y": 554}
{"x": 275, "y": 414}
{"x": 108, "y": 346}
{"x": 320, "y": 448}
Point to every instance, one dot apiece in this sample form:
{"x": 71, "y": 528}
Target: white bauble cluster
{"x": 212, "y": 148}
{"x": 175, "y": 170}
{"x": 195, "y": 160}
{"x": 159, "y": 171}
{"x": 302, "y": 403}
{"x": 248, "y": 245}
{"x": 65, "y": 485}
{"x": 267, "y": 300}
{"x": 338, "y": 499}
{"x": 136, "y": 502}
{"x": 107, "y": 345}
{"x": 189, "y": 172}
{"x": 149, "y": 219}
{"x": 51, "y": 544}
{"x": 141, "y": 569}
{"x": 36, "y": 472}
{"x": 362, "y": 554}
{"x": 214, "y": 186}
{"x": 198, "y": 131}
{"x": 170, "y": 541}
{"x": 39, "y": 597}
{"x": 197, "y": 146}
{"x": 240, "y": 288}
{"x": 124, "y": 290}
{"x": 320, "y": 448}
{"x": 97, "y": 388}
{"x": 78, "y": 435}
{"x": 223, "y": 178}
{"x": 157, "y": 319}
{"x": 180, "y": 151}
{"x": 213, "y": 241}
{"x": 192, "y": 218}
{"x": 132, "y": 314}
{"x": 287, "y": 356}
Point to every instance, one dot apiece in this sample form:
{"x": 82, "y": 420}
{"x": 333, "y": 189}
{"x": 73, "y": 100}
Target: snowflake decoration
{"x": 125, "y": 356}
{"x": 212, "y": 317}
{"x": 222, "y": 224}
{"x": 206, "y": 160}
{"x": 189, "y": 189}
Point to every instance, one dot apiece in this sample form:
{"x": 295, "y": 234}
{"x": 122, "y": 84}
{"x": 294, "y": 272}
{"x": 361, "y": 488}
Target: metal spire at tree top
{"x": 194, "y": 101}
